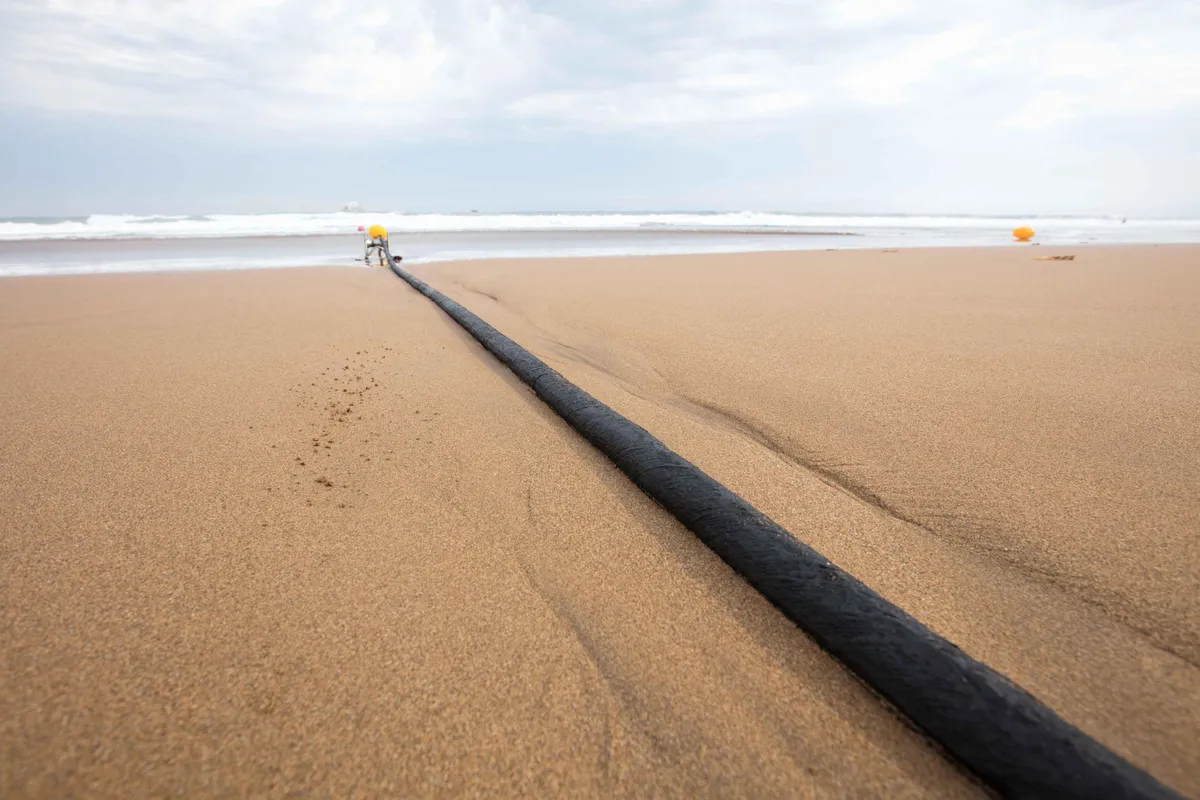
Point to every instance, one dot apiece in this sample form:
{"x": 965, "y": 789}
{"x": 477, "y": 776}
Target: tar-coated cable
{"x": 999, "y": 731}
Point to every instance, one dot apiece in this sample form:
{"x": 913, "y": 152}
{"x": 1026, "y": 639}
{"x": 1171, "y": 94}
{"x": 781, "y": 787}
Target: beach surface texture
{"x": 294, "y": 531}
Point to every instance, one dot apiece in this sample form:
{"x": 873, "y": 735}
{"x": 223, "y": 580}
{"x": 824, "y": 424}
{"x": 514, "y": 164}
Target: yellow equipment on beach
{"x": 376, "y": 243}
{"x": 1023, "y": 234}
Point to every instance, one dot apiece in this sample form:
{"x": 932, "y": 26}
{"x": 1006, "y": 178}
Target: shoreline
{"x": 347, "y": 254}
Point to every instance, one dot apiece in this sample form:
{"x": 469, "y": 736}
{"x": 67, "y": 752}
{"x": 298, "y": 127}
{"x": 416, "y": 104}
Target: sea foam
{"x": 108, "y": 226}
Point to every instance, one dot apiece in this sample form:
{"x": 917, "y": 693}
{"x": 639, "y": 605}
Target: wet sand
{"x": 286, "y": 532}
{"x": 87, "y": 256}
{"x": 1007, "y": 448}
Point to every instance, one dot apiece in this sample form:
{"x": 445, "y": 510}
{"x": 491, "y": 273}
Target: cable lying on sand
{"x": 995, "y": 728}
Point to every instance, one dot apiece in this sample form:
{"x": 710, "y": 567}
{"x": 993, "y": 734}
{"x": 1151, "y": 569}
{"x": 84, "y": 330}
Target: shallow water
{"x": 151, "y": 244}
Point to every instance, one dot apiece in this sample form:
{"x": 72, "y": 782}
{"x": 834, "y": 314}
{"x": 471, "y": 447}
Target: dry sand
{"x": 1007, "y": 448}
{"x": 293, "y": 534}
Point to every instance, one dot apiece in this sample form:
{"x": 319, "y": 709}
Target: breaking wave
{"x": 107, "y": 226}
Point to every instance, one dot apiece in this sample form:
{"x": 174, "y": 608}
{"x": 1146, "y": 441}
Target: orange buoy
{"x": 1023, "y": 233}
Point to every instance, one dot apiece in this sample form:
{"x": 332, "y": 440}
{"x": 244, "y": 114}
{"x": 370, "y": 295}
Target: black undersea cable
{"x": 1003, "y": 734}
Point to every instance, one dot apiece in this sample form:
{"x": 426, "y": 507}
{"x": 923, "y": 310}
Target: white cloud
{"x": 887, "y": 79}
{"x": 865, "y": 13}
{"x": 274, "y": 63}
{"x": 1044, "y": 110}
{"x": 1027, "y": 62}
{"x": 434, "y": 66}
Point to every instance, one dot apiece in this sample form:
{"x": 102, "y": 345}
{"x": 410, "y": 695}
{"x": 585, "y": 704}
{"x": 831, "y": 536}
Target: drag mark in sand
{"x": 995, "y": 728}
{"x": 726, "y": 419}
{"x": 593, "y": 659}
{"x": 828, "y": 474}
{"x": 650, "y": 386}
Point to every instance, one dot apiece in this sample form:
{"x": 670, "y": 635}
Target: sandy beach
{"x": 1004, "y": 447}
{"x": 292, "y": 531}
{"x": 275, "y": 532}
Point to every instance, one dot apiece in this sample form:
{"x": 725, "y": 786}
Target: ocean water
{"x": 127, "y": 243}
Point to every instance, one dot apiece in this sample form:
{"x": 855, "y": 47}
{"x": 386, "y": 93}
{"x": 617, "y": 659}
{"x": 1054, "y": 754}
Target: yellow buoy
{"x": 380, "y": 232}
{"x": 1023, "y": 234}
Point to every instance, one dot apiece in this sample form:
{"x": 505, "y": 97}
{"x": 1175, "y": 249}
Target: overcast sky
{"x": 916, "y": 106}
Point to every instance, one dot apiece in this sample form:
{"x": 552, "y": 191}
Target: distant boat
{"x": 352, "y": 207}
